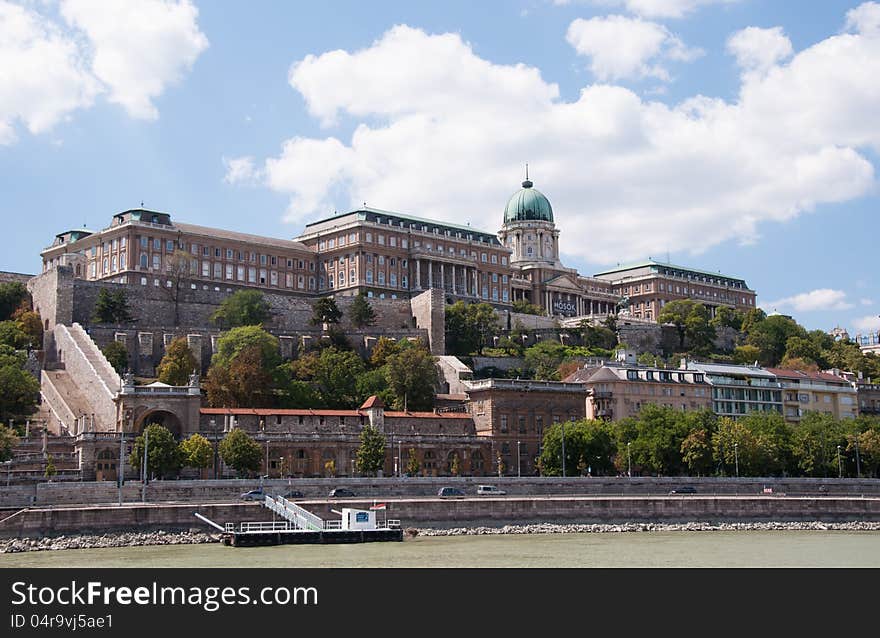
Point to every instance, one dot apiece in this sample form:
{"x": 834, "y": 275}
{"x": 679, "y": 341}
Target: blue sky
{"x": 732, "y": 135}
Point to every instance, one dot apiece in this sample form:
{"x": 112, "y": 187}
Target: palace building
{"x": 393, "y": 255}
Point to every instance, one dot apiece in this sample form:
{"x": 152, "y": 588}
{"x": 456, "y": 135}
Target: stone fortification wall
{"x": 429, "y": 312}
{"x": 61, "y": 416}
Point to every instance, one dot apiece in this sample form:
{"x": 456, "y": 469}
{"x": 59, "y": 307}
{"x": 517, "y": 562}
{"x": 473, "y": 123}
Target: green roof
{"x": 528, "y": 204}
{"x": 651, "y": 262}
{"x": 362, "y": 215}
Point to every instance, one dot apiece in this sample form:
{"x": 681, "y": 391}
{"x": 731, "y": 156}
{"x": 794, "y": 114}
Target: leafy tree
{"x": 375, "y": 382}
{"x": 330, "y": 468}
{"x": 9, "y": 356}
{"x": 746, "y": 355}
{"x": 412, "y": 463}
{"x": 587, "y": 441}
{"x": 247, "y": 381}
{"x": 803, "y": 349}
{"x": 31, "y": 325}
{"x": 293, "y": 393}
{"x": 371, "y": 453}
{"x": 412, "y": 377}
{"x": 13, "y": 336}
{"x": 51, "y": 470}
{"x": 117, "y": 356}
{"x": 12, "y": 295}
{"x": 751, "y": 319}
{"x": 8, "y": 441}
{"x": 455, "y": 465}
{"x": 234, "y": 341}
{"x": 111, "y": 307}
{"x": 771, "y": 337}
{"x": 691, "y": 321}
{"x": 814, "y": 444}
{"x": 696, "y": 452}
{"x": 544, "y": 359}
{"x": 383, "y": 349}
{"x": 727, "y": 317}
{"x": 240, "y": 452}
{"x": 18, "y": 392}
{"x": 468, "y": 326}
{"x": 196, "y": 452}
{"x": 163, "y": 453}
{"x": 524, "y": 307}
{"x": 178, "y": 363}
{"x": 242, "y": 308}
{"x": 868, "y": 449}
{"x": 598, "y": 336}
{"x": 361, "y": 312}
{"x": 333, "y": 374}
{"x": 325, "y": 310}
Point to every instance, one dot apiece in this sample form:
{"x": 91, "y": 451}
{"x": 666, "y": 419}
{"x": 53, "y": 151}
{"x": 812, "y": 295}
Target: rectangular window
{"x": 369, "y": 276}
{"x": 262, "y": 260}
{"x": 483, "y": 257}
{"x": 169, "y": 246}
{"x": 157, "y": 262}
{"x": 206, "y": 269}
{"x": 263, "y": 276}
{"x": 392, "y": 279}
{"x": 403, "y": 282}
{"x": 288, "y": 280}
{"x": 229, "y": 268}
{"x": 273, "y": 277}
{"x": 381, "y": 276}
{"x": 392, "y": 241}
{"x": 206, "y": 251}
{"x": 218, "y": 270}
{"x": 503, "y": 423}
{"x": 252, "y": 275}
{"x": 157, "y": 244}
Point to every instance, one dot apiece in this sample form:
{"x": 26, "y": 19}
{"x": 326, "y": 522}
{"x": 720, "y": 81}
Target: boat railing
{"x": 392, "y": 523}
{"x": 270, "y": 526}
{"x": 332, "y": 524}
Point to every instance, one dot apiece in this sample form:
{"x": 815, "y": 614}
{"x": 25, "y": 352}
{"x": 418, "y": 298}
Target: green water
{"x": 641, "y": 549}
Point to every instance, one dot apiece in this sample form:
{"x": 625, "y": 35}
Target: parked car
{"x": 450, "y": 492}
{"x": 337, "y": 492}
{"x": 253, "y": 495}
{"x": 687, "y": 489}
{"x": 293, "y": 494}
{"x": 489, "y": 490}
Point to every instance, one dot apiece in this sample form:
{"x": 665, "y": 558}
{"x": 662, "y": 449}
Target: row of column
{"x": 470, "y": 283}
{"x": 582, "y": 306}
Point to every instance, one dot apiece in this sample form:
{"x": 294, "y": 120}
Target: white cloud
{"x": 240, "y": 170}
{"x": 621, "y": 47}
{"x": 759, "y": 49}
{"x": 43, "y": 77}
{"x": 820, "y": 299}
{"x": 864, "y": 19}
{"x": 139, "y": 48}
{"x": 870, "y": 323}
{"x": 132, "y": 50}
{"x": 654, "y": 8}
{"x": 866, "y": 302}
{"x": 442, "y": 133}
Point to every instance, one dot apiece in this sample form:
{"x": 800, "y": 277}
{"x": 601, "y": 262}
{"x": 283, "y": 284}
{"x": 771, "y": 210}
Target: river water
{"x": 635, "y": 549}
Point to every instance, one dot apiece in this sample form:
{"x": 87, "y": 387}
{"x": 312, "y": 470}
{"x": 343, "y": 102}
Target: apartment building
{"x": 805, "y": 391}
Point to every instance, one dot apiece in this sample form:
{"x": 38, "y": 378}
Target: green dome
{"x": 529, "y": 203}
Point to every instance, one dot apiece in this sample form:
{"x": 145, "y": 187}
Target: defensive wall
{"x": 471, "y": 511}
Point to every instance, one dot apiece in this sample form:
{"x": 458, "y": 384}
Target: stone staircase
{"x": 79, "y": 393}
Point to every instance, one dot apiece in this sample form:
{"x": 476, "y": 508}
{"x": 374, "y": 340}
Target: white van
{"x": 489, "y": 490}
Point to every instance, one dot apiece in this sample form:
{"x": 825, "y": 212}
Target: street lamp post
{"x": 629, "y": 467}
{"x": 518, "y": 460}
{"x": 213, "y": 423}
{"x": 839, "y": 464}
{"x": 858, "y": 461}
{"x": 146, "y": 472}
{"x": 563, "y": 448}
{"x": 736, "y": 456}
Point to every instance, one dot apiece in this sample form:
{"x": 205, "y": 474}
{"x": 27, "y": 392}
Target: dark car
{"x": 337, "y": 492}
{"x": 253, "y": 495}
{"x": 687, "y": 489}
{"x": 293, "y": 494}
{"x": 449, "y": 492}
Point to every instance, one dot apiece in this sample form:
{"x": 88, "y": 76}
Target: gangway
{"x": 299, "y": 517}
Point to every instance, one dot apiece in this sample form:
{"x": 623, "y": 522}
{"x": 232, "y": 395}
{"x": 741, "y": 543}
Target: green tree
{"x": 361, "y": 312}
{"x": 659, "y": 432}
{"x": 111, "y": 307}
{"x": 326, "y": 311}
{"x": 588, "y": 444}
{"x": 370, "y": 454}
{"x": 13, "y": 336}
{"x": 727, "y": 317}
{"x": 412, "y": 463}
{"x": 696, "y": 452}
{"x": 335, "y": 376}
{"x": 383, "y": 349}
{"x": 598, "y": 336}
{"x": 455, "y": 465}
{"x": 31, "y": 325}
{"x": 178, "y": 363}
{"x": 691, "y": 321}
{"x": 163, "y": 453}
{"x": 524, "y": 307}
{"x": 242, "y": 308}
{"x": 751, "y": 319}
{"x": 240, "y": 452}
{"x": 247, "y": 381}
{"x": 330, "y": 468}
{"x": 468, "y": 326}
{"x": 117, "y": 355}
{"x": 8, "y": 441}
{"x": 51, "y": 470}
{"x": 814, "y": 444}
{"x": 746, "y": 355}
{"x": 375, "y": 382}
{"x": 412, "y": 378}
{"x": 544, "y": 359}
{"x": 18, "y": 392}
{"x": 196, "y": 452}
{"x": 803, "y": 349}
{"x": 771, "y": 336}
{"x": 12, "y": 295}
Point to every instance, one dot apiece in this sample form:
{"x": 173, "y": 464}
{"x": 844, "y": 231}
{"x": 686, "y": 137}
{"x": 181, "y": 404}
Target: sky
{"x": 737, "y": 136}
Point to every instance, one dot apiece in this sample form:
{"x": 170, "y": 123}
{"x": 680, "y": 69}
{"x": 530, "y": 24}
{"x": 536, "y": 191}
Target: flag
{"x": 378, "y": 506}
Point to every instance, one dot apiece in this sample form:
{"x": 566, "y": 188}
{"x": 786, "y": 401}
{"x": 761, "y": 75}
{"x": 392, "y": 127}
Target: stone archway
{"x": 161, "y": 417}
{"x": 106, "y": 462}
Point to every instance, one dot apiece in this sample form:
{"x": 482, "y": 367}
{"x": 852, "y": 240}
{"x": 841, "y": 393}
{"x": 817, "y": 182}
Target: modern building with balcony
{"x": 823, "y": 392}
{"x": 739, "y": 390}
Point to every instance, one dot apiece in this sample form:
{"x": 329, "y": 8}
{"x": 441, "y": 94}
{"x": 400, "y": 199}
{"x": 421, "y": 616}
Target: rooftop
{"x": 653, "y": 263}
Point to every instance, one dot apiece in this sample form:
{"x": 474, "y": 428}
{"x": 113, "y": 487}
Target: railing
{"x": 301, "y": 518}
{"x": 67, "y": 333}
{"x": 332, "y": 524}
{"x": 272, "y": 526}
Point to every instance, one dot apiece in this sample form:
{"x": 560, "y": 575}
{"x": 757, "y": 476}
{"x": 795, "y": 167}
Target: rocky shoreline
{"x": 603, "y": 528}
{"x": 140, "y": 539}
